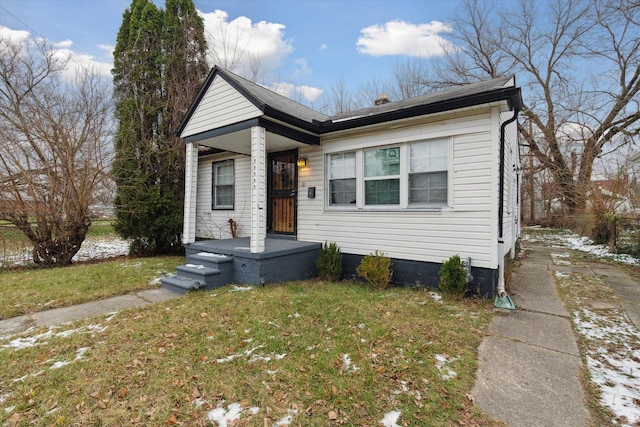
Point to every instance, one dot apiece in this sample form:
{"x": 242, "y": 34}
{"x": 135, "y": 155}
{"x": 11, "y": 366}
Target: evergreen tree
{"x": 158, "y": 68}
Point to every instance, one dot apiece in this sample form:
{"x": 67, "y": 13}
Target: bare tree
{"x": 579, "y": 64}
{"x": 54, "y": 139}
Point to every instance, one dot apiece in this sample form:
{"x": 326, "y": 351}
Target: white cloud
{"x": 404, "y": 38}
{"x": 63, "y": 44}
{"x": 15, "y": 36}
{"x": 323, "y": 46}
{"x": 235, "y": 44}
{"x": 61, "y": 50}
{"x": 302, "y": 68}
{"x": 297, "y": 93}
{"x": 79, "y": 62}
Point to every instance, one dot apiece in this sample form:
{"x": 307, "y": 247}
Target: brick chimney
{"x": 382, "y": 99}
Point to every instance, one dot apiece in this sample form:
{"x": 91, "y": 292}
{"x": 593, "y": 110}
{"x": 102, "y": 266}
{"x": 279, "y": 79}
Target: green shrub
{"x": 376, "y": 269}
{"x": 329, "y": 262}
{"x": 453, "y": 278}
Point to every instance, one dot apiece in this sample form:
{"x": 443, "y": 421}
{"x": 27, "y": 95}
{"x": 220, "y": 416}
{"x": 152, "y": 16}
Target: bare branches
{"x": 53, "y": 149}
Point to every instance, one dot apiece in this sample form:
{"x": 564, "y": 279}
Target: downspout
{"x": 500, "y": 288}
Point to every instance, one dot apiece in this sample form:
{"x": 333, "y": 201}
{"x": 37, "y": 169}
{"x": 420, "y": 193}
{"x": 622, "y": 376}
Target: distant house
{"x": 420, "y": 179}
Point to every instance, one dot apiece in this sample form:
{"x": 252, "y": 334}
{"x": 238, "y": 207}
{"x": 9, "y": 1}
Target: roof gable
{"x": 218, "y": 105}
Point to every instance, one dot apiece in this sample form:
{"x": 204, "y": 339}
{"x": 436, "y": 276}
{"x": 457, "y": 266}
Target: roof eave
{"x": 511, "y": 95}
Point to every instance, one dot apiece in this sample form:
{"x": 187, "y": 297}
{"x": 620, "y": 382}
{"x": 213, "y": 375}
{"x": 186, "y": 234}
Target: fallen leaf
{"x": 196, "y": 393}
{"x": 101, "y": 404}
{"x": 333, "y": 415}
{"x": 203, "y": 314}
{"x": 172, "y": 420}
{"x": 95, "y": 394}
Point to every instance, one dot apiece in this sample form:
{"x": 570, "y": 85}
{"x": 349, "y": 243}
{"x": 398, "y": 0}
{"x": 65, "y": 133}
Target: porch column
{"x": 258, "y": 189}
{"x": 190, "y": 193}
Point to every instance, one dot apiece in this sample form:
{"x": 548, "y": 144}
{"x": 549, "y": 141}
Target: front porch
{"x": 214, "y": 263}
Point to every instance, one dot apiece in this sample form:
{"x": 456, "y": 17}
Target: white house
{"x": 420, "y": 179}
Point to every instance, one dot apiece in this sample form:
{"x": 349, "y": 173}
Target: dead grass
{"x": 31, "y": 290}
{"x": 318, "y": 353}
{"x": 579, "y": 291}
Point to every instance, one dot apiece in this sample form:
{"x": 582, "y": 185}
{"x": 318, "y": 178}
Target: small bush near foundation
{"x": 376, "y": 269}
{"x": 329, "y": 262}
{"x": 453, "y": 278}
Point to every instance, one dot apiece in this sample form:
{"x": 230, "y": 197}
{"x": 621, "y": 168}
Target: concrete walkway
{"x": 56, "y": 316}
{"x": 529, "y": 365}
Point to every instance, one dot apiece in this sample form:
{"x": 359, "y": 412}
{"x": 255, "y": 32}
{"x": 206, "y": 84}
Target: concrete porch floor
{"x": 274, "y": 247}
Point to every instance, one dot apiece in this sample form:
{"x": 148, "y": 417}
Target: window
{"x": 223, "y": 185}
{"x": 342, "y": 179}
{"x": 428, "y": 172}
{"x": 382, "y": 176}
{"x": 411, "y": 175}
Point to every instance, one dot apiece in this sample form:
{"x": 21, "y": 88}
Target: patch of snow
{"x": 59, "y": 365}
{"x": 391, "y": 419}
{"x": 23, "y": 342}
{"x": 561, "y": 274}
{"x": 286, "y": 420}
{"x": 347, "y": 366}
{"x": 110, "y": 316}
{"x": 210, "y": 255}
{"x": 441, "y": 363}
{"x": 198, "y": 266}
{"x": 9, "y": 409}
{"x": 26, "y": 342}
{"x": 435, "y": 296}
{"x": 614, "y": 362}
{"x": 236, "y": 288}
{"x": 230, "y": 416}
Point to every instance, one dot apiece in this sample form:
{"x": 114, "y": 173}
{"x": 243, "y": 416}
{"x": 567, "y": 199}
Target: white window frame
{"x": 403, "y": 176}
{"x": 331, "y": 178}
{"x": 214, "y": 185}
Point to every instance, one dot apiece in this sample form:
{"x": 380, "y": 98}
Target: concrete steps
{"x": 203, "y": 271}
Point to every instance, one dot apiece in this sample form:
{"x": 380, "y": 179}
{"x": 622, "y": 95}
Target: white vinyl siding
{"x": 465, "y": 227}
{"x": 221, "y": 105}
{"x": 214, "y": 224}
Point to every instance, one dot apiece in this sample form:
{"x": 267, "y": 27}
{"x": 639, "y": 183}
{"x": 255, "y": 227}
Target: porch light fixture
{"x": 302, "y": 162}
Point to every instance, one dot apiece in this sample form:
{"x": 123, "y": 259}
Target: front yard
{"x": 308, "y": 353}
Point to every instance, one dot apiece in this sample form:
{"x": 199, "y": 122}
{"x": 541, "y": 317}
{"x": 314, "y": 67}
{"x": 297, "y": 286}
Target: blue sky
{"x": 304, "y": 46}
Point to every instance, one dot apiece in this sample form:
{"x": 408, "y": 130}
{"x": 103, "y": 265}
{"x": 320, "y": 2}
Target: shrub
{"x": 453, "y": 278}
{"x": 376, "y": 269}
{"x": 329, "y": 262}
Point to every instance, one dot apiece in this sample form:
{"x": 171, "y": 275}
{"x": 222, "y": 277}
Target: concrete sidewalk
{"x": 529, "y": 364}
{"x": 56, "y": 316}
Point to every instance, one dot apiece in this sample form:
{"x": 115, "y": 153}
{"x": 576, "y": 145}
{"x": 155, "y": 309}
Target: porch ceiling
{"x": 240, "y": 142}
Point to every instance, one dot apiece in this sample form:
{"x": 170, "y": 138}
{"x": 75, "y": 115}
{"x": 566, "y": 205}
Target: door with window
{"x": 281, "y": 194}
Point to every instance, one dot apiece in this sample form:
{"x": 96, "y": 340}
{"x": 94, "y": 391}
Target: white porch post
{"x": 258, "y": 189}
{"x": 190, "y": 193}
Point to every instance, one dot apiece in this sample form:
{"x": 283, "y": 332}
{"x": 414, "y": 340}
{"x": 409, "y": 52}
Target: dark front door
{"x": 282, "y": 201}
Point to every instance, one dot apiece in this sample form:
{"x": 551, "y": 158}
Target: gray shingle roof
{"x": 432, "y": 98}
{"x": 281, "y": 108}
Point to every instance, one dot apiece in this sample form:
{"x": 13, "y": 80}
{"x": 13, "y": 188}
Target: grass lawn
{"x": 30, "y": 290}
{"x": 308, "y": 353}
